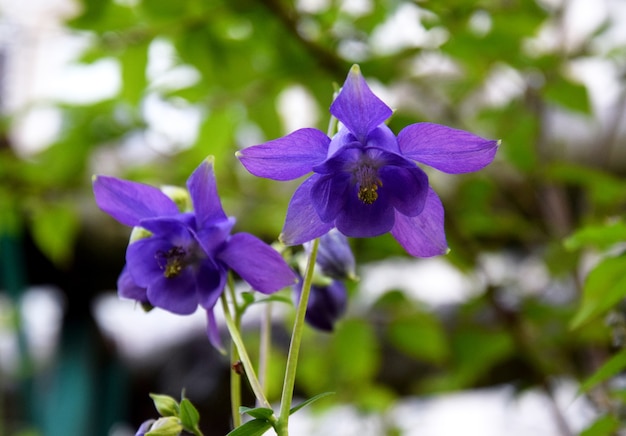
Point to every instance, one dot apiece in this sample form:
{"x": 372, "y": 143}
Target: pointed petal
{"x": 446, "y": 149}
{"x": 128, "y": 202}
{"x": 357, "y": 107}
{"x": 286, "y": 158}
{"x": 203, "y": 191}
{"x": 127, "y": 288}
{"x": 302, "y": 223}
{"x": 423, "y": 235}
{"x": 360, "y": 220}
{"x": 407, "y": 188}
{"x": 213, "y": 331}
{"x": 210, "y": 282}
{"x": 328, "y": 195}
{"x": 257, "y": 263}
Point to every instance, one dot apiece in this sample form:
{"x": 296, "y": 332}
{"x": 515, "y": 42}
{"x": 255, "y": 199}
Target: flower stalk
{"x": 294, "y": 348}
{"x": 243, "y": 355}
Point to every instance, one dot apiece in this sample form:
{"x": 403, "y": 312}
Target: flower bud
{"x": 169, "y": 426}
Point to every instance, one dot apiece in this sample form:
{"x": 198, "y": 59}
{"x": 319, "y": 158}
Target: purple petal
{"x": 328, "y": 195}
{"x": 203, "y": 192}
{"x": 334, "y": 256}
{"x": 357, "y": 107}
{"x": 127, "y": 288}
{"x": 423, "y": 235}
{"x": 129, "y": 202}
{"x": 302, "y": 223}
{"x": 407, "y": 188}
{"x": 210, "y": 281}
{"x": 213, "y": 331}
{"x": 175, "y": 294}
{"x": 383, "y": 137}
{"x": 446, "y": 149}
{"x": 257, "y": 263}
{"x": 326, "y": 304}
{"x": 174, "y": 229}
{"x": 360, "y": 220}
{"x": 212, "y": 238}
{"x": 286, "y": 158}
{"x": 142, "y": 261}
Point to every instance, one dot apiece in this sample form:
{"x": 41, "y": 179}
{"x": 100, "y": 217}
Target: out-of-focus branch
{"x": 327, "y": 59}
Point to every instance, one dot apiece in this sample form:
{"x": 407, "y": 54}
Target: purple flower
{"x": 328, "y": 298}
{"x": 326, "y": 303}
{"x": 334, "y": 256}
{"x": 365, "y": 181}
{"x": 184, "y": 261}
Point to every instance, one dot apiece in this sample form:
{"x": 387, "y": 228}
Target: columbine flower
{"x": 329, "y": 297}
{"x": 365, "y": 181}
{"x": 326, "y": 303}
{"x": 334, "y": 256}
{"x": 184, "y": 260}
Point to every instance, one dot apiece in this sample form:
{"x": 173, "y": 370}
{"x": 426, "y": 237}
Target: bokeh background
{"x": 501, "y": 336}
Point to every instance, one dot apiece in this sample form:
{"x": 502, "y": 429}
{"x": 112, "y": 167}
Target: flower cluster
{"x": 181, "y": 259}
{"x": 365, "y": 180}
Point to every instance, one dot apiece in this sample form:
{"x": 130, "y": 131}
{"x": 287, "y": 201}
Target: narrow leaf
{"x": 309, "y": 401}
{"x": 256, "y": 427}
{"x": 189, "y": 415}
{"x": 611, "y": 367}
{"x": 605, "y": 287}
{"x": 257, "y": 412}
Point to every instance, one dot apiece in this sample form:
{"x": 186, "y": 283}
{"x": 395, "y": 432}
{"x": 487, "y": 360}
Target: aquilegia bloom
{"x": 329, "y": 297}
{"x": 365, "y": 181}
{"x": 182, "y": 263}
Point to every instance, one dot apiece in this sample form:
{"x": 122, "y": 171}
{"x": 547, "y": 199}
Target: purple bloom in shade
{"x": 365, "y": 180}
{"x": 184, "y": 261}
{"x": 326, "y": 304}
{"x": 334, "y": 256}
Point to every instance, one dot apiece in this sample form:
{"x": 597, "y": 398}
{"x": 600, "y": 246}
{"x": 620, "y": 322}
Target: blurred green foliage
{"x": 539, "y": 200}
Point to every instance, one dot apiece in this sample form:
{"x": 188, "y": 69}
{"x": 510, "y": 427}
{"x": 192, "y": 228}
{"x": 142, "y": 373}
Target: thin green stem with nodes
{"x": 243, "y": 356}
{"x": 282, "y": 425}
{"x": 235, "y": 377}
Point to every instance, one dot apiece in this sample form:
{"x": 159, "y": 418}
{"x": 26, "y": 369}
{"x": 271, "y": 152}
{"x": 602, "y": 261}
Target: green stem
{"x": 282, "y": 428}
{"x": 243, "y": 355}
{"x": 235, "y": 376}
{"x": 265, "y": 346}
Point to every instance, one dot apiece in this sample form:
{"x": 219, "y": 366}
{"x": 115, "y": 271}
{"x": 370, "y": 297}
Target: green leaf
{"x": 165, "y": 405}
{"x": 54, "y": 229}
{"x": 600, "y": 236}
{"x": 257, "y": 412}
{"x": 568, "y": 94}
{"x": 420, "y": 336}
{"x": 309, "y": 401}
{"x": 189, "y": 415}
{"x": 604, "y": 426}
{"x": 256, "y": 427}
{"x": 610, "y": 368}
{"x": 134, "y": 61}
{"x": 605, "y": 286}
{"x": 355, "y": 348}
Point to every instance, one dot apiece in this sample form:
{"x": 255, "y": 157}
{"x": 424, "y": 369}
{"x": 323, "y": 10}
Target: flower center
{"x": 171, "y": 262}
{"x": 368, "y": 181}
